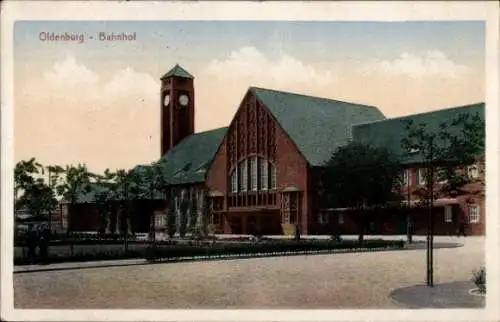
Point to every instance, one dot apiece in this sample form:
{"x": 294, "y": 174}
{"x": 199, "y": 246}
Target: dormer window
{"x": 202, "y": 168}
{"x": 182, "y": 170}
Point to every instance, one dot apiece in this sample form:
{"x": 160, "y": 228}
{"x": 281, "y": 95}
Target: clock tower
{"x": 177, "y": 107}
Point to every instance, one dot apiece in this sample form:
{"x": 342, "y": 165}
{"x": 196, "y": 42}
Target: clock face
{"x": 183, "y": 100}
{"x": 166, "y": 101}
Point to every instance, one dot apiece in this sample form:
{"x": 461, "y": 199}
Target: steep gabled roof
{"x": 317, "y": 125}
{"x": 389, "y": 133}
{"x": 178, "y": 71}
{"x": 189, "y": 160}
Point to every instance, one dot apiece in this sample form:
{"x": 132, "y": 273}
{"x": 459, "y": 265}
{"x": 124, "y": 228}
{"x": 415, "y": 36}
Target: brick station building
{"x": 262, "y": 172}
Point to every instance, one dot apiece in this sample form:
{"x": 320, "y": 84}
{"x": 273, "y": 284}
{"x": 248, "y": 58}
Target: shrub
{"x": 479, "y": 278}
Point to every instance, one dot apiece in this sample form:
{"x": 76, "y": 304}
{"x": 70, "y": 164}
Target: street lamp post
{"x": 430, "y": 226}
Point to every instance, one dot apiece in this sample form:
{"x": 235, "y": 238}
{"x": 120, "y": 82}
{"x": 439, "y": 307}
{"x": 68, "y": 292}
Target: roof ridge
{"x": 423, "y": 113}
{"x": 310, "y": 96}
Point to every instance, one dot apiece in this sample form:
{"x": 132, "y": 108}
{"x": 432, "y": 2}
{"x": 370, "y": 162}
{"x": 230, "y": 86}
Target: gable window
{"x": 253, "y": 173}
{"x": 234, "y": 181}
{"x": 448, "y": 214}
{"x": 473, "y": 171}
{"x": 413, "y": 150}
{"x": 421, "y": 176}
{"x": 474, "y": 214}
{"x": 243, "y": 176}
{"x": 273, "y": 177}
{"x": 264, "y": 178}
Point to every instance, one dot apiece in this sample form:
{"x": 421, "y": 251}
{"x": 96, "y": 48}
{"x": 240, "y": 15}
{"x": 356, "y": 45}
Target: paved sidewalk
{"x": 76, "y": 265}
{"x": 441, "y": 296}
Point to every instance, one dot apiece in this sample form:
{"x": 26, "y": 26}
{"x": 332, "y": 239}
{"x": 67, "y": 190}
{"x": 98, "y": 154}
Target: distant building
{"x": 261, "y": 173}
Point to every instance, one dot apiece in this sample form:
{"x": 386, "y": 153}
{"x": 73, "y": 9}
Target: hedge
{"x": 174, "y": 251}
{"x": 220, "y": 249}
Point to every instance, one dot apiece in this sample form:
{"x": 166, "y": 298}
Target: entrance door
{"x": 252, "y": 225}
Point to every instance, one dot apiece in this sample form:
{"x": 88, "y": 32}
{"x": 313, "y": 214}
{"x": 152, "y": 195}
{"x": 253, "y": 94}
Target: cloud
{"x": 433, "y": 63}
{"x": 131, "y": 84}
{"x": 251, "y": 66}
{"x": 69, "y": 79}
{"x": 69, "y": 72}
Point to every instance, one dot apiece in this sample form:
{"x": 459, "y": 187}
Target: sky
{"x": 98, "y": 102}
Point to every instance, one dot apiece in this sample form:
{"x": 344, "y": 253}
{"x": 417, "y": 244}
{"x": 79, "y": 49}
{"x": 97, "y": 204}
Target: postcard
{"x": 249, "y": 161}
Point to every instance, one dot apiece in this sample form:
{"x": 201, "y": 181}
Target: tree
{"x": 442, "y": 151}
{"x": 184, "y": 207}
{"x": 205, "y": 215}
{"x": 359, "y": 176}
{"x": 39, "y": 199}
{"x": 122, "y": 188}
{"x": 24, "y": 176}
{"x": 171, "y": 222}
{"x": 105, "y": 194}
{"x": 55, "y": 180}
{"x": 154, "y": 182}
{"x": 193, "y": 214}
{"x": 76, "y": 182}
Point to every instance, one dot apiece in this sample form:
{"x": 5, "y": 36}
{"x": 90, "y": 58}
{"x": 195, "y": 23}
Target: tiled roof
{"x": 389, "y": 133}
{"x": 91, "y": 195}
{"x": 188, "y": 161}
{"x": 317, "y": 125}
{"x": 179, "y": 72}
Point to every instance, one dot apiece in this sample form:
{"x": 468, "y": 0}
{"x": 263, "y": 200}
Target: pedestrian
{"x": 32, "y": 243}
{"x": 44, "y": 244}
{"x": 297, "y": 233}
{"x": 464, "y": 229}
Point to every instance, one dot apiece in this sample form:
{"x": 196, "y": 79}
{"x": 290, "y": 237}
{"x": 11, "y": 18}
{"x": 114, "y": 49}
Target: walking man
{"x": 32, "y": 243}
{"x": 44, "y": 244}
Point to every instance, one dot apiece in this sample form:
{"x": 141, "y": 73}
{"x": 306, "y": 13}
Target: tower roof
{"x": 177, "y": 71}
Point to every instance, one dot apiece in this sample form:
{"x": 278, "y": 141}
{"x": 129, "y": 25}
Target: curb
{"x": 273, "y": 254}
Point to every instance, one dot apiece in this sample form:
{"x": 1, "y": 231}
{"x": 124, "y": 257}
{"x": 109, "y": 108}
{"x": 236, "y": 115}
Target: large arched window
{"x": 253, "y": 174}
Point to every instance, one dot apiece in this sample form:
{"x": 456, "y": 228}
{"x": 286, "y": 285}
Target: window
{"x": 159, "y": 220}
{"x": 273, "y": 177}
{"x": 448, "y": 214}
{"x": 253, "y": 173}
{"x": 286, "y": 217}
{"x": 341, "y": 219}
{"x": 322, "y": 218}
{"x": 413, "y": 150}
{"x": 216, "y": 219}
{"x": 264, "y": 178}
{"x": 474, "y": 214}
{"x": 234, "y": 181}
{"x": 406, "y": 176}
{"x": 421, "y": 177}
{"x": 243, "y": 176}
{"x": 473, "y": 171}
